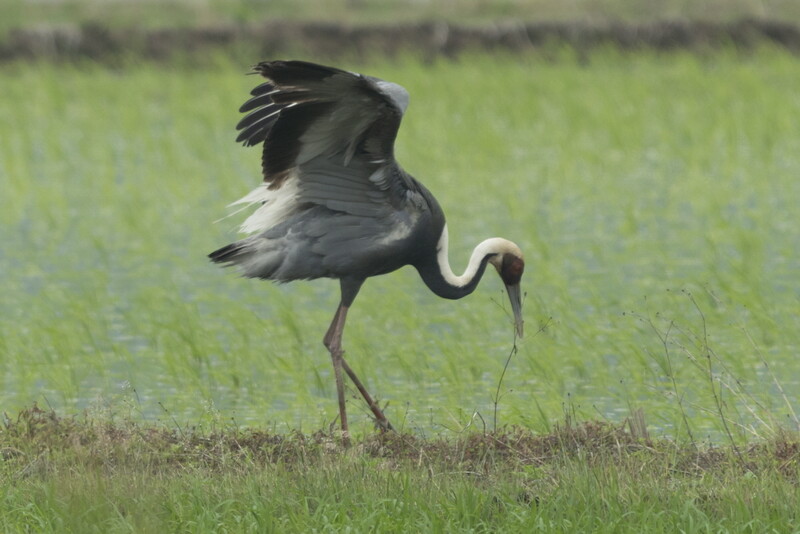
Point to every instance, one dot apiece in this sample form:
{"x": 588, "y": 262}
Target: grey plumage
{"x": 352, "y": 196}
{"x": 335, "y": 203}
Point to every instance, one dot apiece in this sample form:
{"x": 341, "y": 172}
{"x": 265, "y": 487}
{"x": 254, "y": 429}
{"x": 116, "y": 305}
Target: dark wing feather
{"x": 311, "y": 116}
{"x": 256, "y": 102}
{"x": 283, "y": 144}
{"x": 265, "y": 87}
{"x": 257, "y": 125}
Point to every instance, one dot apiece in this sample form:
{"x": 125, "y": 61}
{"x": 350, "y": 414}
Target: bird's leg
{"x": 333, "y": 341}
{"x": 383, "y": 422}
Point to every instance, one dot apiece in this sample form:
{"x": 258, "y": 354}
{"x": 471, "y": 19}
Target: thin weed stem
{"x": 710, "y": 369}
{"x": 774, "y": 378}
{"x": 512, "y": 352}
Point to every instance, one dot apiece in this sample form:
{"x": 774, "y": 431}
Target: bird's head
{"x": 510, "y": 265}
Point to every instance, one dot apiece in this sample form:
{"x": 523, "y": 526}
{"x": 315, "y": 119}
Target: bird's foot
{"x": 379, "y": 419}
{"x": 383, "y": 425}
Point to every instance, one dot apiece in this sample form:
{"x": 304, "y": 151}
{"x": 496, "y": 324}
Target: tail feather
{"x": 229, "y": 253}
{"x": 256, "y": 257}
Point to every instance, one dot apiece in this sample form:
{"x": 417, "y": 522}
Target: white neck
{"x": 494, "y": 245}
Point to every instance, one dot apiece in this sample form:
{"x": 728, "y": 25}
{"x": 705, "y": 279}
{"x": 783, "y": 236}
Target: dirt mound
{"x": 38, "y": 436}
{"x": 427, "y": 40}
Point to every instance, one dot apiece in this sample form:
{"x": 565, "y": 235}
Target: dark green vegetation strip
{"x": 329, "y": 40}
{"x": 191, "y": 13}
{"x": 72, "y": 474}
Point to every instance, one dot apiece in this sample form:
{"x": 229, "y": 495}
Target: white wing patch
{"x": 276, "y": 205}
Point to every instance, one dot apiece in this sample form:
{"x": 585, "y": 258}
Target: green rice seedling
{"x": 625, "y": 179}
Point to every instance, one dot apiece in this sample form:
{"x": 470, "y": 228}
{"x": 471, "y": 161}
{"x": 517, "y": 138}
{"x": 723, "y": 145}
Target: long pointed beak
{"x": 515, "y": 296}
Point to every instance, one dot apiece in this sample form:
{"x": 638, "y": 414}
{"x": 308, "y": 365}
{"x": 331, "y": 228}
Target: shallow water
{"x": 655, "y": 200}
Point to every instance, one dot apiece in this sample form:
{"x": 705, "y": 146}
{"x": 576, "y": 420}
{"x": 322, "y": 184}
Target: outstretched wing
{"x": 334, "y": 201}
{"x": 330, "y": 131}
{"x": 306, "y": 110}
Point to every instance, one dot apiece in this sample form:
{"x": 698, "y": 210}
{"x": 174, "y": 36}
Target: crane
{"x": 335, "y": 203}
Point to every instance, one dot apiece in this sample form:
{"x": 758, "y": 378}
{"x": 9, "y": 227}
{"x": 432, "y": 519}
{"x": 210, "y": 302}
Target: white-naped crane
{"x": 335, "y": 203}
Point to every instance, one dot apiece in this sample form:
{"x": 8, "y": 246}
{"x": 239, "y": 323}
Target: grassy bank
{"x": 424, "y": 40}
{"x": 85, "y": 475}
{"x": 122, "y": 32}
{"x": 184, "y": 13}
